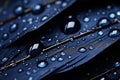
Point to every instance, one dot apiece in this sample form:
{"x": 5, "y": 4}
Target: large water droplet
{"x": 19, "y": 10}
{"x": 35, "y": 49}
{"x": 5, "y": 36}
{"x": 71, "y": 26}
{"x": 82, "y": 49}
{"x": 103, "y": 22}
{"x": 13, "y": 28}
{"x": 114, "y": 33}
{"x": 42, "y": 64}
{"x": 36, "y": 9}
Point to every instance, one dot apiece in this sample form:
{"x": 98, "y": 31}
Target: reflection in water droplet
{"x": 60, "y": 59}
{"x": 82, "y": 49}
{"x": 5, "y": 36}
{"x": 71, "y": 26}
{"x": 86, "y": 19}
{"x": 42, "y": 64}
{"x": 114, "y": 33}
{"x": 53, "y": 59}
{"x": 13, "y": 28}
{"x": 100, "y": 33}
{"x": 44, "y": 18}
{"x": 112, "y": 15}
{"x": 4, "y": 59}
{"x": 103, "y": 22}
{"x": 19, "y": 10}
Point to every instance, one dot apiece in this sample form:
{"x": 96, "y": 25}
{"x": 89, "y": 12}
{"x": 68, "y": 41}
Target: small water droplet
{"x": 30, "y": 78}
{"x": 102, "y": 78}
{"x": 49, "y": 40}
{"x": 58, "y": 2}
{"x": 62, "y": 53}
{"x": 71, "y": 26}
{"x": 25, "y": 1}
{"x": 112, "y": 15}
{"x": 34, "y": 71}
{"x": 60, "y": 59}
{"x": 19, "y": 10}
{"x": 36, "y": 9}
{"x": 86, "y": 19}
{"x": 82, "y": 49}
{"x": 13, "y": 28}
{"x": 5, "y": 36}
{"x": 4, "y": 59}
{"x": 117, "y": 64}
{"x": 6, "y": 74}
{"x": 42, "y": 64}
{"x": 20, "y": 70}
{"x": 91, "y": 47}
{"x": 53, "y": 59}
{"x": 44, "y": 18}
{"x": 118, "y": 13}
{"x": 103, "y": 22}
{"x": 69, "y": 57}
{"x": 100, "y": 33}
{"x": 28, "y": 73}
{"x": 64, "y": 4}
{"x": 114, "y": 33}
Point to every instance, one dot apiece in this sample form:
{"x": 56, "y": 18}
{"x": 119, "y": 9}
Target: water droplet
{"x": 30, "y": 78}
{"x": 82, "y": 50}
{"x": 100, "y": 33}
{"x": 86, "y": 19}
{"x": 69, "y": 57}
{"x": 4, "y": 59}
{"x": 44, "y": 18}
{"x": 114, "y": 33}
{"x": 91, "y": 47}
{"x": 117, "y": 64}
{"x": 71, "y": 26}
{"x": 64, "y": 4}
{"x": 112, "y": 15}
{"x": 53, "y": 59}
{"x": 35, "y": 49}
{"x": 60, "y": 59}
{"x": 103, "y": 22}
{"x": 58, "y": 2}
{"x": 19, "y": 10}
{"x": 5, "y": 36}
{"x": 36, "y": 9}
{"x": 28, "y": 73}
{"x": 102, "y": 78}
{"x": 13, "y": 28}
{"x": 34, "y": 71}
{"x": 20, "y": 70}
{"x": 6, "y": 74}
{"x": 42, "y": 64}
{"x": 62, "y": 53}
{"x": 25, "y": 1}
{"x": 118, "y": 13}
{"x": 49, "y": 40}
